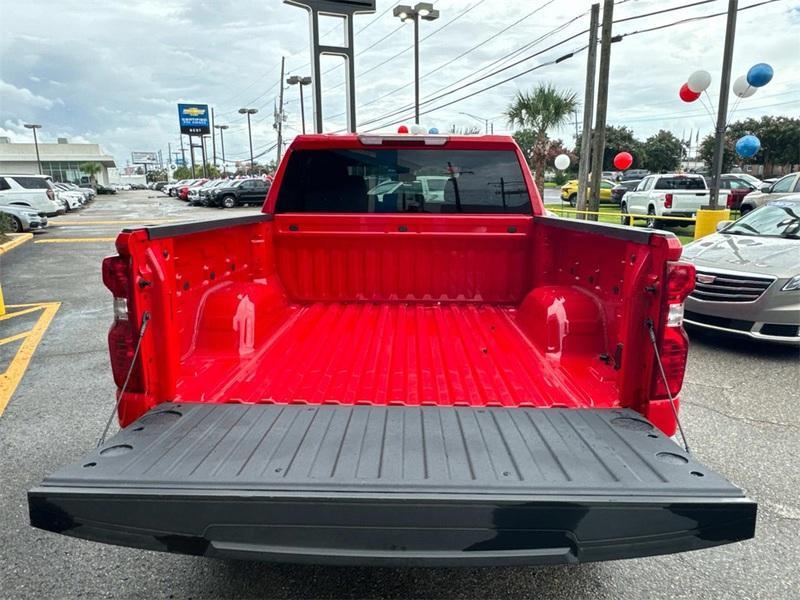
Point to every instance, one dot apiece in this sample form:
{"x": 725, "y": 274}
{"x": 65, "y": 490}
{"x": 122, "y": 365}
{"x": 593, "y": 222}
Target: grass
{"x": 610, "y": 214}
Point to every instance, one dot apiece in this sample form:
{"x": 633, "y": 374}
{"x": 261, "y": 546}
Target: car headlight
{"x": 793, "y": 285}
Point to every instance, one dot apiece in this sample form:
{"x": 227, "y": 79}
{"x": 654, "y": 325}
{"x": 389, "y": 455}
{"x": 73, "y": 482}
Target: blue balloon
{"x": 433, "y": 131}
{"x": 748, "y": 146}
{"x": 760, "y": 75}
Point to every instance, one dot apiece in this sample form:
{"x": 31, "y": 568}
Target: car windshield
{"x": 777, "y": 219}
{"x": 749, "y": 178}
{"x": 427, "y": 181}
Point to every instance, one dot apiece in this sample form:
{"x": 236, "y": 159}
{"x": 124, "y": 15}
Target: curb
{"x": 16, "y": 240}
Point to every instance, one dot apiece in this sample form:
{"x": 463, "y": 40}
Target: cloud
{"x": 115, "y": 79}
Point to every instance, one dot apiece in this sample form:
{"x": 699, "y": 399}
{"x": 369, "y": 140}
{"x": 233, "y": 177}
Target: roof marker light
{"x": 402, "y": 129}
{"x": 433, "y": 131}
{"x": 418, "y": 130}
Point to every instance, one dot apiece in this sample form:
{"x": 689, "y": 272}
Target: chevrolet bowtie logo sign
{"x": 194, "y": 119}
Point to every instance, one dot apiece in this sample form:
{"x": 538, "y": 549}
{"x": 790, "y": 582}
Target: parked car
{"x": 101, "y": 189}
{"x": 788, "y": 184}
{"x": 71, "y": 199}
{"x": 611, "y": 175}
{"x": 183, "y": 193}
{"x": 569, "y": 191}
{"x": 635, "y": 174}
{"x": 23, "y": 218}
{"x": 241, "y": 193}
{"x": 159, "y": 185}
{"x": 736, "y": 187}
{"x": 619, "y": 190}
{"x": 204, "y": 193}
{"x": 34, "y": 191}
{"x": 666, "y": 195}
{"x": 748, "y": 275}
{"x": 171, "y": 189}
{"x": 477, "y": 384}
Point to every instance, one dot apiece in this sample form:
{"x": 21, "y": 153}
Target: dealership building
{"x": 62, "y": 160}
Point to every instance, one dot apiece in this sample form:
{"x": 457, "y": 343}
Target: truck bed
{"x": 396, "y": 353}
{"x": 394, "y": 485}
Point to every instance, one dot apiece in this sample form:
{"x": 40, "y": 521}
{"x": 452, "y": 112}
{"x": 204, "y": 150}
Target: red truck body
{"x": 423, "y": 315}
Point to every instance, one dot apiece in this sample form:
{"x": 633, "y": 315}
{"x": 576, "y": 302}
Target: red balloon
{"x": 688, "y": 95}
{"x": 623, "y": 161}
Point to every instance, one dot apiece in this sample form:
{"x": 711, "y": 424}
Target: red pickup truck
{"x": 377, "y": 371}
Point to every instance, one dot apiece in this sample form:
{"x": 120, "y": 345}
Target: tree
{"x": 182, "y": 172}
{"x": 541, "y": 110}
{"x": 468, "y": 130}
{"x": 619, "y": 139}
{"x": 92, "y": 169}
{"x": 780, "y": 143}
{"x": 663, "y": 152}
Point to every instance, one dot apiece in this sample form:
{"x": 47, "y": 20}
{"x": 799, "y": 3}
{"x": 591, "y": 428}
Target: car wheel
{"x": 652, "y": 222}
{"x": 623, "y": 209}
{"x": 573, "y": 200}
{"x": 16, "y": 224}
{"x": 228, "y": 202}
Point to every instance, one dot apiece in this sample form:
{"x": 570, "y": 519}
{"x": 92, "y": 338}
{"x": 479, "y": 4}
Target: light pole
{"x": 34, "y": 126}
{"x": 295, "y": 80}
{"x": 222, "y": 129}
{"x": 248, "y": 112}
{"x": 425, "y": 11}
{"x": 479, "y": 119}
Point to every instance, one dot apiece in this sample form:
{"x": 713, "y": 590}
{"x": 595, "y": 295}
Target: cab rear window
{"x": 404, "y": 181}
{"x": 681, "y": 183}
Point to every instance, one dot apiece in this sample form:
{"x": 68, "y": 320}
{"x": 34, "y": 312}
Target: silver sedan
{"x": 22, "y": 218}
{"x": 748, "y": 275}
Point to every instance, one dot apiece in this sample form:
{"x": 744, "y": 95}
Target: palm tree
{"x": 92, "y": 169}
{"x": 541, "y": 110}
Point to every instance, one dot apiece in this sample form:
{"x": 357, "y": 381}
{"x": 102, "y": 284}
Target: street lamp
{"x": 248, "y": 112}
{"x": 295, "y": 80}
{"x": 425, "y": 11}
{"x": 222, "y": 129}
{"x": 34, "y": 126}
{"x": 479, "y": 119}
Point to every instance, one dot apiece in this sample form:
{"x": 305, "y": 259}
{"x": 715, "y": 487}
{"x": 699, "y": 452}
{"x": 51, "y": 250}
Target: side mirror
{"x": 723, "y": 224}
{"x": 765, "y": 188}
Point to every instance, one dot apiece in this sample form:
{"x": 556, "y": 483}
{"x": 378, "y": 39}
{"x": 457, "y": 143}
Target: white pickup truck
{"x": 666, "y": 195}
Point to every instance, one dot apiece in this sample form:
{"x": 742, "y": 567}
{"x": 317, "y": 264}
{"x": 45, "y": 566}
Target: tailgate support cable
{"x": 145, "y": 321}
{"x": 652, "y": 332}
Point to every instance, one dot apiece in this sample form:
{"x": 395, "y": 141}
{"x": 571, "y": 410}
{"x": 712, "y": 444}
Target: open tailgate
{"x": 394, "y": 485}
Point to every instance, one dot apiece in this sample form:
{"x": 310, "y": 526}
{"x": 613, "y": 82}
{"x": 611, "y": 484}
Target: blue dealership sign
{"x": 194, "y": 119}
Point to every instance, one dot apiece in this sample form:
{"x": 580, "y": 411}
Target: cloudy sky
{"x": 112, "y": 72}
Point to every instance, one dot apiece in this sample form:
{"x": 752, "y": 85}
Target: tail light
{"x": 123, "y": 335}
{"x": 668, "y": 201}
{"x": 729, "y": 203}
{"x": 674, "y": 345}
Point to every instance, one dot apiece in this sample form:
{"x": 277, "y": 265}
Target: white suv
{"x": 35, "y": 191}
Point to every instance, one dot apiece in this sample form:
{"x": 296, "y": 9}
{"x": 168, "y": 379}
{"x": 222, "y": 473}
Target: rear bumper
{"x": 396, "y": 530}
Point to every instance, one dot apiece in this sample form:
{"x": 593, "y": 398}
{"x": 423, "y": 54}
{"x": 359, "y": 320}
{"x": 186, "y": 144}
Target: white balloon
{"x": 418, "y": 129}
{"x": 562, "y": 162}
{"x": 743, "y": 89}
{"x": 699, "y": 81}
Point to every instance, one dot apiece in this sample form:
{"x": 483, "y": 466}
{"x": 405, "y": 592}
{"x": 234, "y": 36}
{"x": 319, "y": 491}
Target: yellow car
{"x": 569, "y": 191}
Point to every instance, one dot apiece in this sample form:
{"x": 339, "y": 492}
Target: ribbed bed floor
{"x": 411, "y": 354}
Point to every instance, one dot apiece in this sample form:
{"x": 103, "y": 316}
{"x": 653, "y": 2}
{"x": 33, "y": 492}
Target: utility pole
{"x": 169, "y": 161}
{"x": 213, "y": 138}
{"x": 588, "y": 110}
{"x": 280, "y": 113}
{"x": 599, "y": 145}
{"x": 722, "y": 115}
{"x": 183, "y": 153}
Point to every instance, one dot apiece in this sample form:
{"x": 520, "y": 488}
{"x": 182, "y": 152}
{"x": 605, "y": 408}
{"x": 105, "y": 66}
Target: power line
{"x": 494, "y": 85}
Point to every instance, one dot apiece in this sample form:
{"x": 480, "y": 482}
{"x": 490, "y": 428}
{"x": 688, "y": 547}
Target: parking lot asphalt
{"x": 740, "y": 412}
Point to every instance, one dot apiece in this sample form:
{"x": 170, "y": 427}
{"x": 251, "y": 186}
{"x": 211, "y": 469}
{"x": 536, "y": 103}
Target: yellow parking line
{"x": 131, "y": 222}
{"x": 19, "y": 364}
{"x": 14, "y": 338}
{"x": 75, "y": 240}
{"x": 32, "y": 308}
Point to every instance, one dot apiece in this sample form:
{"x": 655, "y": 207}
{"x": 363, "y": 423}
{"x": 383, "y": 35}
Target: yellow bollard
{"x": 707, "y": 221}
{"x": 2, "y": 303}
